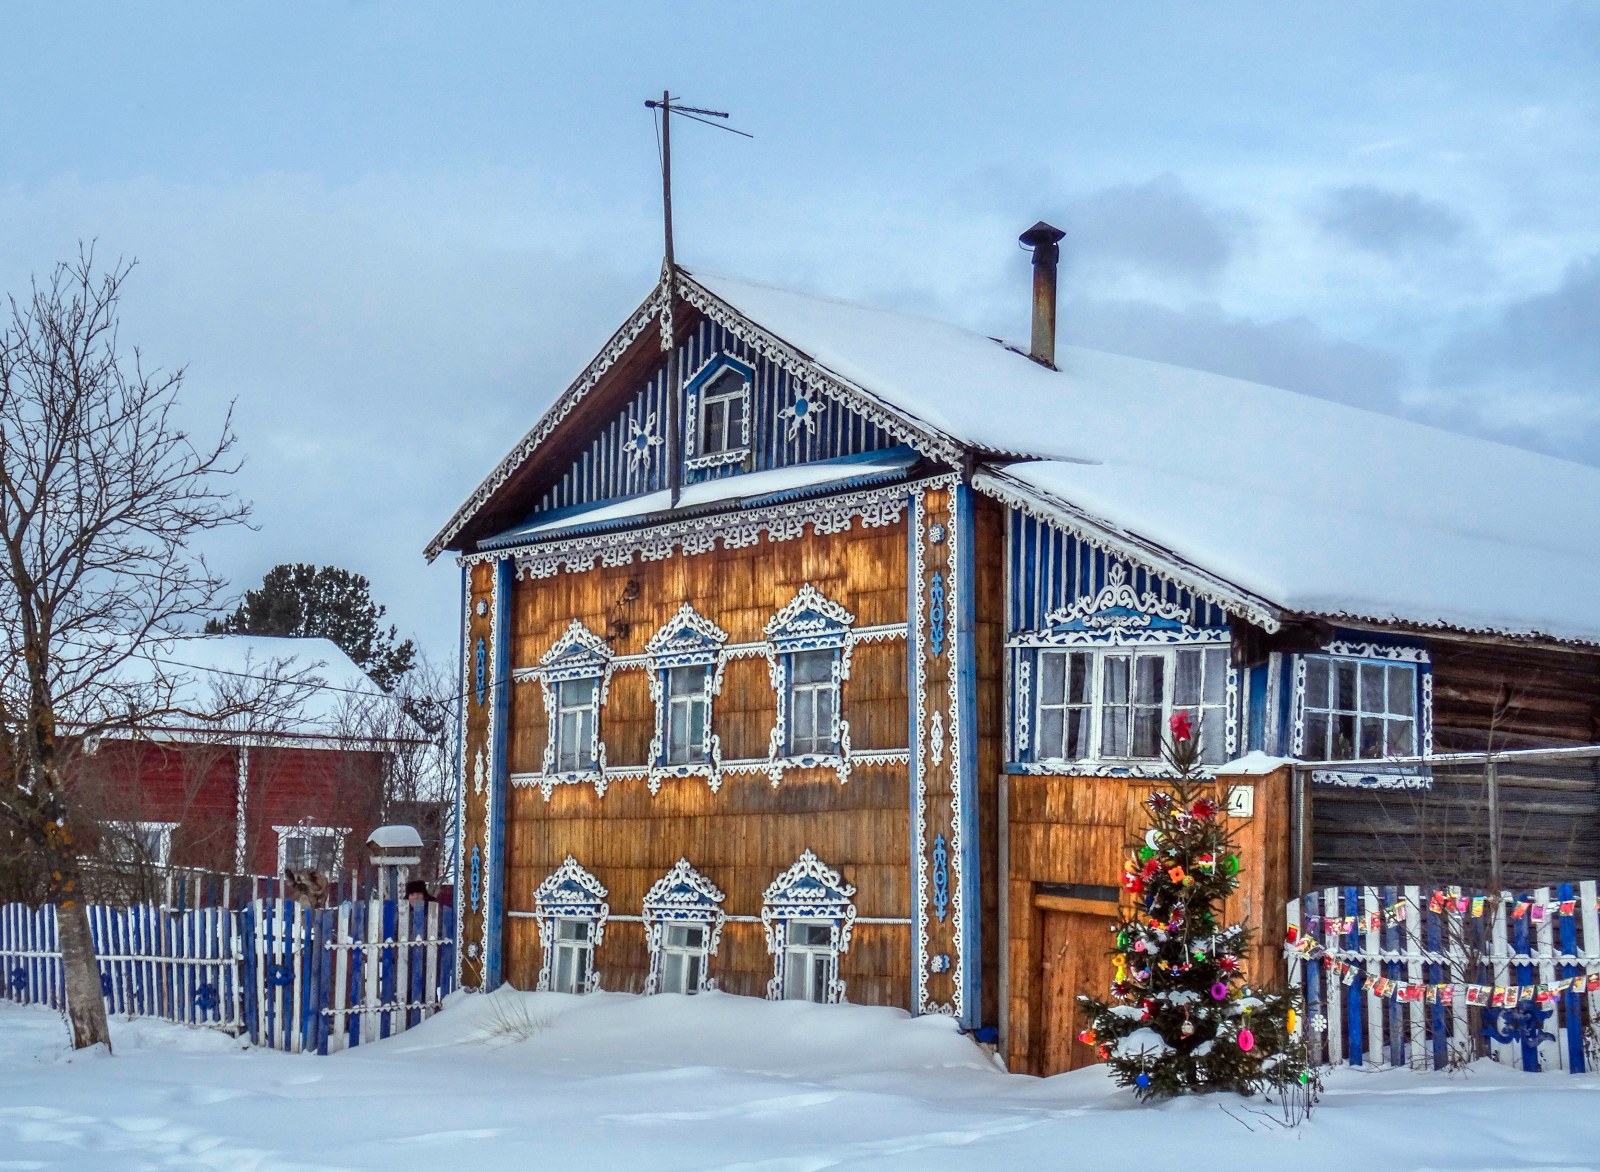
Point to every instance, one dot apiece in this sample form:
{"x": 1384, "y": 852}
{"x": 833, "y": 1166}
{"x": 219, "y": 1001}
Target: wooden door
{"x": 1075, "y": 959}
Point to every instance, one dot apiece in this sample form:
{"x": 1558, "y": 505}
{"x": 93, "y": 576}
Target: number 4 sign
{"x": 1241, "y": 801}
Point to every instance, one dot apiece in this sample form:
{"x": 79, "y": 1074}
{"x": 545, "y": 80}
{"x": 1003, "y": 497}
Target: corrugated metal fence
{"x": 1432, "y": 977}
{"x": 292, "y": 978}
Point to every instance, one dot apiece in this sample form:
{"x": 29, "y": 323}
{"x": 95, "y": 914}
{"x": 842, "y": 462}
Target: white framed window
{"x": 813, "y": 702}
{"x": 688, "y": 714}
{"x": 810, "y": 960}
{"x": 573, "y": 961}
{"x": 1113, "y": 704}
{"x": 684, "y": 947}
{"x": 149, "y": 843}
{"x": 570, "y": 906}
{"x": 576, "y": 717}
{"x": 723, "y": 405}
{"x": 311, "y": 848}
{"x": 1359, "y": 709}
{"x": 808, "y": 914}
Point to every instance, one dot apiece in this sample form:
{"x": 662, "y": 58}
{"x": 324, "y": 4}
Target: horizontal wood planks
{"x": 1502, "y": 697}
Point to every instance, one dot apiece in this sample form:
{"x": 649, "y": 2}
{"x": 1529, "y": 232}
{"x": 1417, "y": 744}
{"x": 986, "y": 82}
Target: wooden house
{"x": 273, "y": 754}
{"x": 817, "y": 651}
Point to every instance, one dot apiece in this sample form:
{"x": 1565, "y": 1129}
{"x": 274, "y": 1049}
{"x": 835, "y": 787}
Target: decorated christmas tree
{"x": 1182, "y": 1020}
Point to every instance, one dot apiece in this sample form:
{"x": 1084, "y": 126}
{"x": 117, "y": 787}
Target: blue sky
{"x": 394, "y": 231}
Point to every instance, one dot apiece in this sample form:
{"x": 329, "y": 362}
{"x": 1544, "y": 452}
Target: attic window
{"x": 723, "y": 408}
{"x": 719, "y": 414}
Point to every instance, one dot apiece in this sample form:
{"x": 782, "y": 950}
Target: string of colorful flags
{"x": 1306, "y": 946}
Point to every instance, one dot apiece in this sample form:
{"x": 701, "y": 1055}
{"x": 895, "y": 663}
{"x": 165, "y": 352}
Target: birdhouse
{"x": 394, "y": 850}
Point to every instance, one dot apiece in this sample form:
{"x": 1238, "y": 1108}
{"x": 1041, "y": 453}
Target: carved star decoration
{"x": 802, "y": 412}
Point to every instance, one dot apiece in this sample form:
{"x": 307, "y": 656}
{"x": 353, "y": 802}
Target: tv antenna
{"x": 667, "y": 109}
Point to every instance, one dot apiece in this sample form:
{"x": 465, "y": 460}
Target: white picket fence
{"x": 1423, "y": 976}
{"x": 293, "y": 978}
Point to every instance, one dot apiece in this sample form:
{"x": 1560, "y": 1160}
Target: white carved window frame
{"x": 137, "y": 833}
{"x": 809, "y": 891}
{"x": 1412, "y": 776}
{"x": 570, "y": 892}
{"x": 694, "y": 423}
{"x": 578, "y": 653}
{"x": 285, "y": 833}
{"x": 688, "y": 639}
{"x": 810, "y": 621}
{"x": 1115, "y": 621}
{"x": 682, "y": 896}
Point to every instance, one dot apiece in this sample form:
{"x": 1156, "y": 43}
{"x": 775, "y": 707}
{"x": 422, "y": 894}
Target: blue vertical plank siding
{"x": 1395, "y": 970}
{"x": 1571, "y": 1002}
{"x": 1356, "y": 1035}
{"x": 1438, "y": 1014}
{"x": 1526, "y": 979}
{"x": 1311, "y": 914}
{"x": 966, "y": 650}
{"x": 494, "y": 914}
{"x": 913, "y": 738}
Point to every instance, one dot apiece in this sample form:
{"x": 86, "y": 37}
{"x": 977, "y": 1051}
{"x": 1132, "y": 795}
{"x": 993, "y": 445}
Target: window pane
{"x": 1146, "y": 732}
{"x": 825, "y": 714}
{"x": 1114, "y": 732}
{"x": 1186, "y": 683}
{"x": 672, "y": 972}
{"x": 811, "y": 667}
{"x": 1317, "y": 682}
{"x": 1077, "y": 746}
{"x": 1216, "y": 690}
{"x": 735, "y": 422}
{"x": 794, "y": 977}
{"x": 1402, "y": 737}
{"x": 805, "y": 719}
{"x": 1371, "y": 736}
{"x": 1150, "y": 671}
{"x": 572, "y": 929}
{"x": 677, "y": 732}
{"x": 580, "y": 967}
{"x": 1372, "y": 687}
{"x": 693, "y": 964}
{"x": 819, "y": 977}
{"x": 686, "y": 681}
{"x": 577, "y": 692}
{"x": 1078, "y": 691}
{"x": 1344, "y": 685}
{"x": 1402, "y": 691}
{"x": 1114, "y": 689}
{"x": 1316, "y": 746}
{"x": 1051, "y": 724}
{"x": 1213, "y": 736}
{"x": 1051, "y": 677}
{"x": 1344, "y": 737}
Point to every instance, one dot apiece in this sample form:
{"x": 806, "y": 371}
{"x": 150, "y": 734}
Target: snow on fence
{"x": 1428, "y": 977}
{"x": 293, "y": 978}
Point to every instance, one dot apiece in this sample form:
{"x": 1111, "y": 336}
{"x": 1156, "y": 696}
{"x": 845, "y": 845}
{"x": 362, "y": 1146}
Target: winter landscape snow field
{"x": 543, "y": 1080}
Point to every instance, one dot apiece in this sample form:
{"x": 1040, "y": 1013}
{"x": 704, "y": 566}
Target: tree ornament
{"x": 1231, "y": 867}
{"x": 1247, "y": 1040}
{"x": 1219, "y": 992}
{"x": 1182, "y": 729}
{"x": 1146, "y": 854}
{"x": 1152, "y": 839}
{"x": 1087, "y": 1037}
{"x": 1187, "y": 1028}
{"x": 1143, "y": 1080}
{"x": 1291, "y": 1021}
{"x": 1205, "y": 809}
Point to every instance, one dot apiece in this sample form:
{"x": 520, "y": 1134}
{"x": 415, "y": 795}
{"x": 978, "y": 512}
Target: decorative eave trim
{"x": 1439, "y": 629}
{"x": 814, "y": 375}
{"x": 630, "y": 331}
{"x": 1113, "y": 539}
{"x": 735, "y": 528}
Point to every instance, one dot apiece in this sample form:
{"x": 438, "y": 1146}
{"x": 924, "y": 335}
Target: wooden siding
{"x": 1077, "y": 831}
{"x": 1496, "y": 695}
{"x": 989, "y": 672}
{"x": 746, "y": 834}
{"x": 475, "y": 826}
{"x": 603, "y": 471}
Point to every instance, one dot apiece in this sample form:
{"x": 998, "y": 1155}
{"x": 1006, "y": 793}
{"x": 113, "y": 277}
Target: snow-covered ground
{"x": 613, "y": 1081}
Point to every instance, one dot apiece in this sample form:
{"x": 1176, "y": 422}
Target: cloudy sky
{"x": 392, "y": 232}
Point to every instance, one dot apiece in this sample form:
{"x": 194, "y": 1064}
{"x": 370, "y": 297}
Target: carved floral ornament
{"x": 809, "y": 890}
{"x": 569, "y": 893}
{"x": 809, "y": 622}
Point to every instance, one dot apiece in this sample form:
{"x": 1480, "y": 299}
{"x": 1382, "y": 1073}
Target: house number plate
{"x": 1241, "y": 801}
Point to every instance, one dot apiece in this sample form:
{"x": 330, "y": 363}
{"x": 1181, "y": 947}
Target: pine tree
{"x": 303, "y": 601}
{"x": 1182, "y": 1020}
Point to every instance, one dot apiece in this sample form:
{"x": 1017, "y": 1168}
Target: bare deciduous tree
{"x": 102, "y": 494}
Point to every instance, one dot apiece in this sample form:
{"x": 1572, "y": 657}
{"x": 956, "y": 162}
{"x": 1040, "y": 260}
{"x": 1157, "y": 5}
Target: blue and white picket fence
{"x": 1422, "y": 976}
{"x": 292, "y": 978}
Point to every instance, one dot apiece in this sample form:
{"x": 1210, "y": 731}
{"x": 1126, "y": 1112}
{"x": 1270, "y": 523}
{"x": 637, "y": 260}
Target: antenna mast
{"x": 669, "y": 271}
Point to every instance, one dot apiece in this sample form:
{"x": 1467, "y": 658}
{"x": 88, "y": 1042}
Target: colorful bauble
{"x": 1203, "y": 809}
{"x": 1143, "y": 1080}
{"x": 1231, "y": 866}
{"x": 1247, "y": 1041}
{"x": 1291, "y": 1021}
{"x": 1219, "y": 992}
{"x": 1146, "y": 854}
{"x": 1087, "y": 1037}
{"x": 1187, "y": 1028}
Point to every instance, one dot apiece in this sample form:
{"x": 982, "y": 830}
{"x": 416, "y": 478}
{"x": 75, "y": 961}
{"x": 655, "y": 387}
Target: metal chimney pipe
{"x": 1045, "y": 241}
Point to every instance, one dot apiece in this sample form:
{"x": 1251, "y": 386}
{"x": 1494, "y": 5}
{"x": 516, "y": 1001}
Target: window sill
{"x": 1399, "y": 778}
{"x": 717, "y": 459}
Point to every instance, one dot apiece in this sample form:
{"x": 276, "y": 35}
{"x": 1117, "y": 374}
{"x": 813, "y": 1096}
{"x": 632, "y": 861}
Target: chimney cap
{"x": 1042, "y": 233}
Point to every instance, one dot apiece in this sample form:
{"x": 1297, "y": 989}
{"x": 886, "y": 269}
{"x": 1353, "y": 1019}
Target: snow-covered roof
{"x": 291, "y": 688}
{"x": 1314, "y": 506}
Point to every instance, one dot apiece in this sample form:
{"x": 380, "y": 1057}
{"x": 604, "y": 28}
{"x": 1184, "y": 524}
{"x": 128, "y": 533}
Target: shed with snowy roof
{"x": 868, "y": 629}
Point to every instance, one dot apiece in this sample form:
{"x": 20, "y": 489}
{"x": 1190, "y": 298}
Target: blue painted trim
{"x": 1527, "y": 979}
{"x": 496, "y": 879}
{"x": 458, "y": 808}
{"x": 1433, "y": 931}
{"x": 1256, "y": 708}
{"x": 1356, "y": 1035}
{"x": 913, "y": 775}
{"x": 966, "y": 608}
{"x": 1572, "y": 1002}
